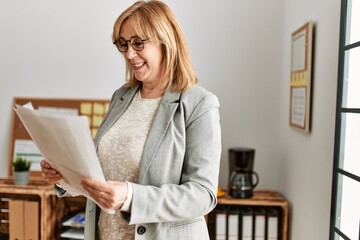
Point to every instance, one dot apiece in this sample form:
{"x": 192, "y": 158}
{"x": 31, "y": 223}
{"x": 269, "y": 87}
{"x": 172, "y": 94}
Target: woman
{"x": 159, "y": 144}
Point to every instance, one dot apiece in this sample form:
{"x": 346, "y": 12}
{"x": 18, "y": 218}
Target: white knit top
{"x": 120, "y": 151}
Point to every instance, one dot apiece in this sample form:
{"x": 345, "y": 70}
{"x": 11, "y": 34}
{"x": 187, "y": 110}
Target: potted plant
{"x": 21, "y": 171}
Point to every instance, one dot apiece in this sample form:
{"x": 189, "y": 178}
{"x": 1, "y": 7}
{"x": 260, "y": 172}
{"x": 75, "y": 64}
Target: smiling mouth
{"x": 138, "y": 66}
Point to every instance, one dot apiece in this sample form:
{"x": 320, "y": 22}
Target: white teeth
{"x": 138, "y": 65}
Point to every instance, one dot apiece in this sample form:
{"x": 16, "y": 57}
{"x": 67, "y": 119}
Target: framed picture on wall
{"x": 300, "y": 80}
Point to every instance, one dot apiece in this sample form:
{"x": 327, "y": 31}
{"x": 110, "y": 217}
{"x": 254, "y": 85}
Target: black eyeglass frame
{"x": 131, "y": 43}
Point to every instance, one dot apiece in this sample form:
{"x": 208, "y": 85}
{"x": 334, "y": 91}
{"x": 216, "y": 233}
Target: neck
{"x": 152, "y": 92}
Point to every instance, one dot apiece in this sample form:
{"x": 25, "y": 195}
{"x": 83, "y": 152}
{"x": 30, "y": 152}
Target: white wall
{"x": 55, "y": 49}
{"x": 64, "y": 49}
{"x": 241, "y": 51}
{"x": 235, "y": 47}
{"x": 307, "y": 159}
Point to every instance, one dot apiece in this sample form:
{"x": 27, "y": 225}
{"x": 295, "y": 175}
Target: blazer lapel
{"x": 161, "y": 121}
{"x": 118, "y": 109}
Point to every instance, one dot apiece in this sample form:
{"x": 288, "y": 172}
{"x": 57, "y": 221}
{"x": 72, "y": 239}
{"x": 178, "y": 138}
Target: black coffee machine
{"x": 241, "y": 163}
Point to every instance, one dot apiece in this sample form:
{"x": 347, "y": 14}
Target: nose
{"x": 130, "y": 53}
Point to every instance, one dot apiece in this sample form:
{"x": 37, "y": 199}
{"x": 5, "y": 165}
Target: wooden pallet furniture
{"x": 51, "y": 208}
{"x": 34, "y": 191}
{"x": 263, "y": 198}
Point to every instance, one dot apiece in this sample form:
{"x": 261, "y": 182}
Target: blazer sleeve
{"x": 195, "y": 195}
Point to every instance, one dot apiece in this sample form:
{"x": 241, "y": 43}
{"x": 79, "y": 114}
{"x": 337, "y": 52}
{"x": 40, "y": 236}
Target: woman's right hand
{"x": 50, "y": 175}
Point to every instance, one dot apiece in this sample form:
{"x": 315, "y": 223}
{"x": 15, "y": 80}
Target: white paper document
{"x": 73, "y": 233}
{"x": 66, "y": 143}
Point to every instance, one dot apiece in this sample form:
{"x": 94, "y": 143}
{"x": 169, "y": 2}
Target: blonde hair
{"x": 154, "y": 19}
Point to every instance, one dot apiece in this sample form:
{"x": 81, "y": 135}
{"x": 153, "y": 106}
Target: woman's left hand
{"x": 110, "y": 194}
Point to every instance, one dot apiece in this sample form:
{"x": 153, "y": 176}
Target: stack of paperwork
{"x": 65, "y": 142}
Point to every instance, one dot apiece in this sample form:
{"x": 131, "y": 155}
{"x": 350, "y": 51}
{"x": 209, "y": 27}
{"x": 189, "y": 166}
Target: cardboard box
{"x": 31, "y": 223}
{"x": 23, "y": 220}
{"x": 16, "y": 220}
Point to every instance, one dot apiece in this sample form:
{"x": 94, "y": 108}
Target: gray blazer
{"x": 179, "y": 169}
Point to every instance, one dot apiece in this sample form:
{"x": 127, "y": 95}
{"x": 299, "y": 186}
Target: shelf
{"x": 52, "y": 208}
{"x": 35, "y": 191}
{"x": 260, "y": 198}
{"x": 265, "y": 198}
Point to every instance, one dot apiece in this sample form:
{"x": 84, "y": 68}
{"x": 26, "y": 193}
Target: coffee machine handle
{"x": 257, "y": 179}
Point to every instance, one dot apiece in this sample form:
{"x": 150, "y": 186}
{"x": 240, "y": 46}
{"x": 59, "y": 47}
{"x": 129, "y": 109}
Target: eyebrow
{"x": 129, "y": 38}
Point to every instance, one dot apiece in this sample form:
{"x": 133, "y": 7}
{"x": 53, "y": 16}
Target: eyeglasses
{"x": 136, "y": 43}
